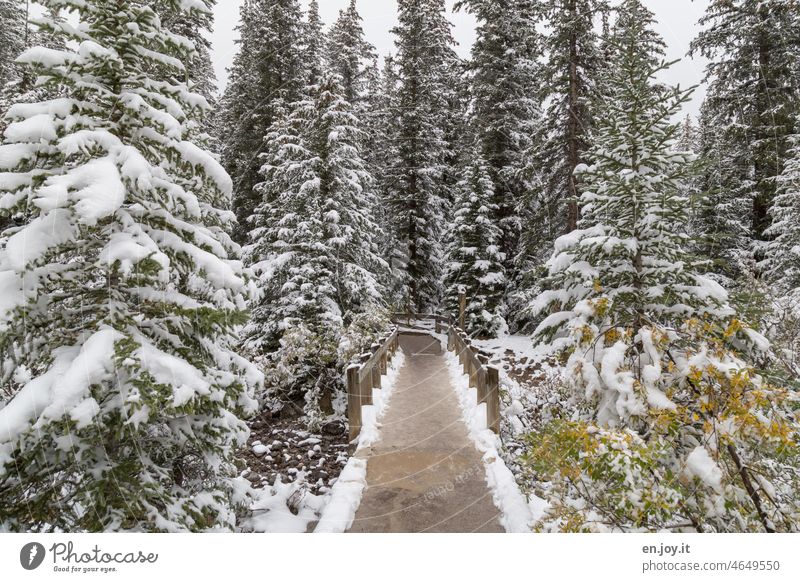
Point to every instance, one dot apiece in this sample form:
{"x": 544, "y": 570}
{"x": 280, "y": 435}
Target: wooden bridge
{"x": 424, "y": 473}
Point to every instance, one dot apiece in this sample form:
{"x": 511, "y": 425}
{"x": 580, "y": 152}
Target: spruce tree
{"x": 121, "y": 291}
{"x": 753, "y": 90}
{"x": 313, "y": 52}
{"x": 571, "y": 84}
{"x": 721, "y": 221}
{"x": 267, "y": 73}
{"x": 783, "y": 263}
{"x": 351, "y": 56}
{"x": 504, "y": 84}
{"x": 673, "y": 422}
{"x": 313, "y": 246}
{"x": 419, "y": 176}
{"x": 12, "y": 39}
{"x": 474, "y": 255}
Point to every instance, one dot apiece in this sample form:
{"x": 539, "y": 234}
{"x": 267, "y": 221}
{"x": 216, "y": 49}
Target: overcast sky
{"x": 677, "y": 24}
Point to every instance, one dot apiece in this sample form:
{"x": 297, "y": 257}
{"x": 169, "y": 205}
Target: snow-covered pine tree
{"x": 267, "y": 73}
{"x": 12, "y": 39}
{"x": 380, "y": 154}
{"x": 721, "y": 223}
{"x": 313, "y": 247}
{"x": 121, "y": 293}
{"x": 419, "y": 175}
{"x": 474, "y": 254}
{"x": 314, "y": 41}
{"x": 754, "y": 52}
{"x": 783, "y": 256}
{"x": 351, "y": 56}
{"x": 570, "y": 82}
{"x": 675, "y": 427}
{"x": 504, "y": 109}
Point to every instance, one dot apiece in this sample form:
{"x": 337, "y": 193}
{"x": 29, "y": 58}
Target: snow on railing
{"x": 364, "y": 377}
{"x": 482, "y": 376}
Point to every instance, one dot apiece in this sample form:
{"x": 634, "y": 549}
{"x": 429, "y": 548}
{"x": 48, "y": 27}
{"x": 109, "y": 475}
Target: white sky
{"x": 677, "y": 24}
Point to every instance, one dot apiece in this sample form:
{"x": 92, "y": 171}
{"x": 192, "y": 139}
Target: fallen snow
{"x": 516, "y": 513}
{"x": 345, "y": 495}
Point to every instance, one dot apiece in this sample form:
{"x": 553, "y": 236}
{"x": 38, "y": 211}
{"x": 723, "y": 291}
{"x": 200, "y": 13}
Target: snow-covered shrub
{"x": 363, "y": 331}
{"x": 120, "y": 289}
{"x": 651, "y": 346}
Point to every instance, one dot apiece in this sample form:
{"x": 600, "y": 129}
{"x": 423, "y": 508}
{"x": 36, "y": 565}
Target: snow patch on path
{"x": 516, "y": 515}
{"x": 345, "y": 496}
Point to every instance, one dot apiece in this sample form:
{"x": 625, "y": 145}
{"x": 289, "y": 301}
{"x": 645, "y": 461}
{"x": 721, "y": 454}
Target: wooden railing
{"x": 363, "y": 377}
{"x": 482, "y": 376}
{"x": 440, "y": 320}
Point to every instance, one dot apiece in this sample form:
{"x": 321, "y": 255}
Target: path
{"x": 424, "y": 474}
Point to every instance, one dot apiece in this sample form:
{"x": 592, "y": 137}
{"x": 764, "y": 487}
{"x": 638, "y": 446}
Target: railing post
{"x": 366, "y": 385}
{"x": 353, "y": 401}
{"x": 438, "y": 324}
{"x": 493, "y": 398}
{"x": 462, "y": 306}
{"x": 376, "y": 370}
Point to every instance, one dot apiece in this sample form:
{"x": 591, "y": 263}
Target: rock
{"x": 276, "y": 445}
{"x": 254, "y": 477}
{"x": 260, "y": 450}
{"x": 333, "y": 428}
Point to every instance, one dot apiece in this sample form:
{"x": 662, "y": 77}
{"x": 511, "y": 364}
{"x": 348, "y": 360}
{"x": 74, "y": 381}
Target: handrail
{"x": 438, "y": 319}
{"x": 363, "y": 377}
{"x": 482, "y": 376}
{"x": 366, "y": 375}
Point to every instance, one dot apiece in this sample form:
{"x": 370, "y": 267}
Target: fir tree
{"x": 313, "y": 42}
{"x": 783, "y": 263}
{"x": 753, "y": 48}
{"x": 121, "y": 291}
{"x": 314, "y": 242}
{"x": 504, "y": 83}
{"x": 675, "y": 422}
{"x": 13, "y": 26}
{"x": 571, "y": 75}
{"x": 474, "y": 255}
{"x": 267, "y": 73}
{"x": 419, "y": 175}
{"x": 351, "y": 56}
{"x": 721, "y": 222}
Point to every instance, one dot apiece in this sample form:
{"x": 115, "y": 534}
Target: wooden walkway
{"x": 424, "y": 474}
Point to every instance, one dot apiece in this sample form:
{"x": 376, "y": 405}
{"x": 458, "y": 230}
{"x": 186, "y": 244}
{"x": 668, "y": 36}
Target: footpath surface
{"x": 424, "y": 474}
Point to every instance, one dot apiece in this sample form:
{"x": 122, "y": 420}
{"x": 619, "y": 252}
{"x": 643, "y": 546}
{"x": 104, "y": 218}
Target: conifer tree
{"x": 504, "y": 111}
{"x": 351, "y": 56}
{"x": 783, "y": 262}
{"x": 12, "y": 39}
{"x": 674, "y": 422}
{"x": 571, "y": 75}
{"x": 474, "y": 254}
{"x": 721, "y": 221}
{"x": 313, "y": 44}
{"x": 754, "y": 50}
{"x": 314, "y": 244}
{"x": 419, "y": 176}
{"x": 121, "y": 291}
{"x": 267, "y": 73}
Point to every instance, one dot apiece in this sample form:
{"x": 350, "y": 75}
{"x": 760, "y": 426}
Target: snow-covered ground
{"x": 339, "y": 512}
